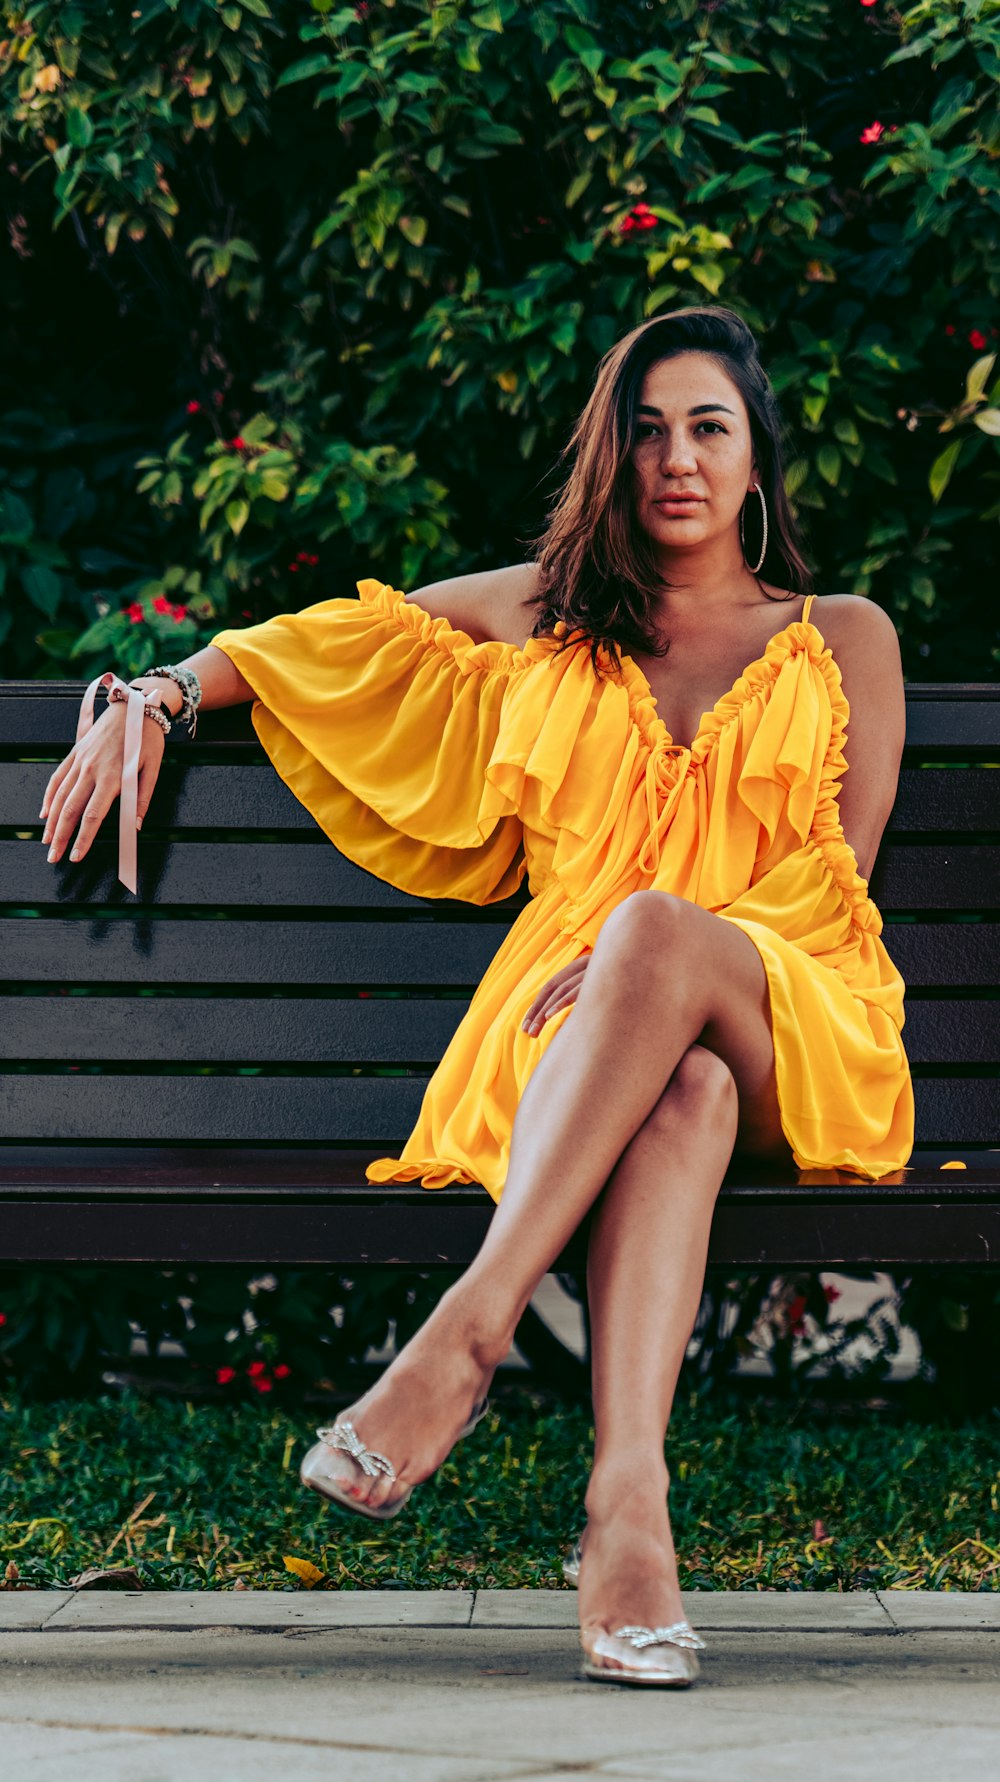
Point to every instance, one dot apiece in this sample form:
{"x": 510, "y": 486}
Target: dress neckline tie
{"x": 661, "y": 815}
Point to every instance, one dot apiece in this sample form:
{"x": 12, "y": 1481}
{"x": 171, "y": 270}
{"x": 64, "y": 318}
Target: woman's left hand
{"x": 559, "y": 992}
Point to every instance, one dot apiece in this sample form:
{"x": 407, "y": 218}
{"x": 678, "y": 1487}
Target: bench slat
{"x": 335, "y": 1109}
{"x": 940, "y": 715}
{"x": 339, "y": 1030}
{"x": 879, "y": 1232}
{"x": 252, "y": 797}
{"x": 283, "y": 875}
{"x": 133, "y": 950}
{"x": 247, "y": 1172}
{"x": 130, "y": 950}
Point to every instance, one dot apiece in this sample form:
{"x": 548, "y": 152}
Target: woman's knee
{"x": 703, "y": 1087}
{"x": 643, "y": 918}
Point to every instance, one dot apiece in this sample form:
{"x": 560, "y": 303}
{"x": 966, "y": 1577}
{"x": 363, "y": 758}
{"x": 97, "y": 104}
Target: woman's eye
{"x": 645, "y": 426}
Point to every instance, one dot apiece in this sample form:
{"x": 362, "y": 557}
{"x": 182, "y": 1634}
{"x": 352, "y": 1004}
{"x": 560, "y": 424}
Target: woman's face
{"x": 691, "y": 436}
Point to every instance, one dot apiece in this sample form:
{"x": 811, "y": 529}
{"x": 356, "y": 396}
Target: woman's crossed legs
{"x": 665, "y": 1066}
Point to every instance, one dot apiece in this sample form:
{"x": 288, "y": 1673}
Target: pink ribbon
{"x": 129, "y": 803}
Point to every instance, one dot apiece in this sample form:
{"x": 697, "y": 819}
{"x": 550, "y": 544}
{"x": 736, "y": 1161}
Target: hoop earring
{"x": 763, "y": 548}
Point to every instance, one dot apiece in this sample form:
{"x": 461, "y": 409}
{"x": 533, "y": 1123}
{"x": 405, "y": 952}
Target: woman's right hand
{"x": 84, "y": 786}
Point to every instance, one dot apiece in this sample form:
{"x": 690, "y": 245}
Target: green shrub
{"x": 384, "y": 245}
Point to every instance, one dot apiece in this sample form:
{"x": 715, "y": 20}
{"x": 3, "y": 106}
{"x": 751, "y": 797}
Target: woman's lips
{"x": 679, "y": 501}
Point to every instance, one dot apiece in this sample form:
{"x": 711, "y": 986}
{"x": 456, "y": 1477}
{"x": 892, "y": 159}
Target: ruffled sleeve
{"x": 382, "y": 721}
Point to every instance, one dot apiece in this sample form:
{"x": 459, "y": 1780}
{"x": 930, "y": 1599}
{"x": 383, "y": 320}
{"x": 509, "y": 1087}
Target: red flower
{"x": 135, "y": 613}
{"x": 795, "y": 1312}
{"x": 161, "y": 604}
{"x": 256, "y": 1368}
{"x": 224, "y": 1375}
{"x": 218, "y": 398}
{"x": 282, "y": 1371}
{"x": 362, "y": 9}
{"x": 262, "y": 1386}
{"x": 977, "y": 338}
{"x": 3, "y": 1317}
{"x": 180, "y": 612}
{"x": 831, "y": 1293}
{"x": 868, "y": 2}
{"x": 872, "y": 132}
{"x": 294, "y": 568}
{"x": 245, "y": 613}
{"x": 949, "y": 327}
{"x": 194, "y": 408}
{"x": 639, "y": 217}
{"x": 238, "y": 444}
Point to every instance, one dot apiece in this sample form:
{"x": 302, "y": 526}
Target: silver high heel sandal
{"x": 675, "y": 1669}
{"x": 318, "y": 1470}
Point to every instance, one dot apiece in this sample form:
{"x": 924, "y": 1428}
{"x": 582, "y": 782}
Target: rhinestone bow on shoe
{"x": 679, "y": 1633}
{"x": 345, "y": 1438}
{"x": 635, "y": 1659}
{"x": 342, "y": 1437}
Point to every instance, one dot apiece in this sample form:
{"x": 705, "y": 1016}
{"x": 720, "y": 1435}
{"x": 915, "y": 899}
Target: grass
{"x": 199, "y": 1497}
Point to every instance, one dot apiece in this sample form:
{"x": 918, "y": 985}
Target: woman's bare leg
{"x": 645, "y": 1269}
{"x": 663, "y": 973}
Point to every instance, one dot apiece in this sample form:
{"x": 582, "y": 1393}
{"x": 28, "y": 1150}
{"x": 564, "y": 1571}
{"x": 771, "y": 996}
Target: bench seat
{"x": 242, "y": 1090}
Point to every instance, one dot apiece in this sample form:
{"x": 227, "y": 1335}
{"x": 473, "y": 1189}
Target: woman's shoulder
{"x": 489, "y": 605}
{"x": 852, "y": 622}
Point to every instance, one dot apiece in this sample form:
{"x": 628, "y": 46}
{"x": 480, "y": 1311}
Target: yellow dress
{"x": 453, "y": 769}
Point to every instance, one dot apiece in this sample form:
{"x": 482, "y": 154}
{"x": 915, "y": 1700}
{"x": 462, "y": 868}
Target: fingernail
{"x": 52, "y": 853}
{"x": 138, "y": 822}
{"x": 75, "y": 854}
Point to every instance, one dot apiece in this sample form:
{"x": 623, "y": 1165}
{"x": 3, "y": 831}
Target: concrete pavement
{"x": 462, "y": 1686}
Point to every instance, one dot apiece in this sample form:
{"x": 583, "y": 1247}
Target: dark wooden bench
{"x": 266, "y": 1015}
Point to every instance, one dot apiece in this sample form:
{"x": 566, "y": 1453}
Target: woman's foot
{"x": 628, "y": 1568}
{"x": 414, "y": 1413}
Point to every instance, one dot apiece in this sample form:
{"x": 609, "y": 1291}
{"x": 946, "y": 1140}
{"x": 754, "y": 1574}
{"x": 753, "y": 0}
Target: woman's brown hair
{"x": 598, "y": 572}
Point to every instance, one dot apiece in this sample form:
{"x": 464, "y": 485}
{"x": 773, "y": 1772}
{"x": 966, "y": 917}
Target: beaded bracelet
{"x": 190, "y": 686}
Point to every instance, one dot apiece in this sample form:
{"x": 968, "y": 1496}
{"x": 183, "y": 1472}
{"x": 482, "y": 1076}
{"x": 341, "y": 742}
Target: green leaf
{"x": 940, "y": 471}
{"x": 565, "y": 76}
{"x": 585, "y": 46}
{"x": 846, "y": 431}
{"x": 975, "y": 383}
{"x": 98, "y": 635}
{"x": 79, "y": 126}
{"x": 43, "y": 587}
{"x": 828, "y": 464}
{"x": 803, "y": 212}
{"x": 305, "y": 69}
{"x": 56, "y": 643}
{"x": 710, "y": 275}
{"x": 237, "y": 515}
{"x": 16, "y": 524}
{"x": 988, "y": 421}
{"x": 732, "y": 64}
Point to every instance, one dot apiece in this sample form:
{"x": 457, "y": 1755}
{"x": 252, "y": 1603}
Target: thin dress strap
{"x": 807, "y": 608}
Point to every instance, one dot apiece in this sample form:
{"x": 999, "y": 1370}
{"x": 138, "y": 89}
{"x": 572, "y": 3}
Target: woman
{"x": 700, "y": 969}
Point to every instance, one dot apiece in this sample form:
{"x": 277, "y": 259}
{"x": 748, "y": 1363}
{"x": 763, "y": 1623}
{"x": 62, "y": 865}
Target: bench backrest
{"x": 268, "y": 992}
